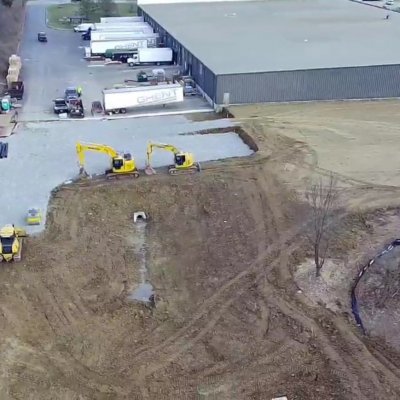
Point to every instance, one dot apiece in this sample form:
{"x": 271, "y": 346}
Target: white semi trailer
{"x": 103, "y": 35}
{"x": 132, "y": 26}
{"x": 120, "y": 27}
{"x": 116, "y": 20}
{"x": 100, "y": 47}
{"x": 157, "y": 55}
{"x": 123, "y": 99}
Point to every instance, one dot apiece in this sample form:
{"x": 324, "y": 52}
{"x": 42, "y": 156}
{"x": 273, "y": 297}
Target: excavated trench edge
{"x": 354, "y": 303}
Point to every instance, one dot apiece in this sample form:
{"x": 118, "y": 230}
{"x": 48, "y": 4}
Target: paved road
{"x": 48, "y": 68}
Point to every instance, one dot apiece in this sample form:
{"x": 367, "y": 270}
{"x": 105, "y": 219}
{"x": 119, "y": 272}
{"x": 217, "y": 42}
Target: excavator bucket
{"x": 20, "y": 232}
{"x": 149, "y": 170}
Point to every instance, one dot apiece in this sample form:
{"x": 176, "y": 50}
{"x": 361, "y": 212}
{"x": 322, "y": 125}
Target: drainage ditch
{"x": 143, "y": 292}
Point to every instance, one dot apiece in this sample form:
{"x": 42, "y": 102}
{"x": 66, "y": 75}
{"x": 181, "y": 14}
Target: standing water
{"x": 144, "y": 290}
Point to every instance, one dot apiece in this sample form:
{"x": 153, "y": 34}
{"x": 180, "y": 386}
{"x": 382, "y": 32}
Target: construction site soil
{"x": 238, "y": 315}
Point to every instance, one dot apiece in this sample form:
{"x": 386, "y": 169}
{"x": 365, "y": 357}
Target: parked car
{"x": 42, "y": 37}
{"x": 97, "y": 108}
{"x": 83, "y": 27}
{"x": 60, "y": 106}
{"x": 70, "y": 94}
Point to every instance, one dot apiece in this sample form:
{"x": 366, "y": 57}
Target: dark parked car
{"x": 97, "y": 108}
{"x": 60, "y": 106}
{"x": 17, "y": 90}
{"x": 42, "y": 37}
{"x": 70, "y": 93}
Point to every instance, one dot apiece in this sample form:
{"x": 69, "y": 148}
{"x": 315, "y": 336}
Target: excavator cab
{"x": 11, "y": 243}
{"x": 124, "y": 163}
{"x": 180, "y": 160}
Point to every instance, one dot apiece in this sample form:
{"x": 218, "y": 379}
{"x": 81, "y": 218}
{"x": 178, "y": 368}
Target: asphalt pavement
{"x": 49, "y": 68}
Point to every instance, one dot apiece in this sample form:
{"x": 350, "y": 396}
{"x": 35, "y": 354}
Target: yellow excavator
{"x": 11, "y": 243}
{"x": 183, "y": 162}
{"x": 121, "y": 163}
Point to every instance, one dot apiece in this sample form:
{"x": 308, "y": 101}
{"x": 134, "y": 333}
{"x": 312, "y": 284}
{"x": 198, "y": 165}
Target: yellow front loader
{"x": 11, "y": 243}
{"x": 121, "y": 163}
{"x": 183, "y": 162}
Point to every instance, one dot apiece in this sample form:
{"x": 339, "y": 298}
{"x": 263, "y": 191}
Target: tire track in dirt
{"x": 175, "y": 340}
{"x": 352, "y": 358}
{"x": 187, "y": 336}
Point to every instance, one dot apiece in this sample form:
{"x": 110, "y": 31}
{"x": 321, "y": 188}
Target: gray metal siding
{"x": 203, "y": 76}
{"x": 324, "y": 84}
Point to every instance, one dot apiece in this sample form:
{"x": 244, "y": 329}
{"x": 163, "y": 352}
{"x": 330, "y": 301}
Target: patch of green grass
{"x": 58, "y": 15}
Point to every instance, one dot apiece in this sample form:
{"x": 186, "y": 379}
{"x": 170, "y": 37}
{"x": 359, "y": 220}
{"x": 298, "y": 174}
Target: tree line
{"x": 92, "y": 9}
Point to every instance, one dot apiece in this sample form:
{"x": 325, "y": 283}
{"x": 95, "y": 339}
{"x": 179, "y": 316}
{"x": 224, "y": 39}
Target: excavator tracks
{"x": 192, "y": 170}
{"x": 111, "y": 175}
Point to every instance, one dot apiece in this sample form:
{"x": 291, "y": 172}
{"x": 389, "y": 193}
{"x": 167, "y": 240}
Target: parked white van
{"x": 83, "y": 27}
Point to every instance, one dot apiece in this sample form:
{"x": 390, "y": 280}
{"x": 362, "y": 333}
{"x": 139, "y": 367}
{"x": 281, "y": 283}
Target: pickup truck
{"x": 60, "y": 106}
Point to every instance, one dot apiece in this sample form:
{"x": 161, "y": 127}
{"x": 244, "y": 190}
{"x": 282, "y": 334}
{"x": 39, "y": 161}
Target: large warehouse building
{"x": 276, "y": 51}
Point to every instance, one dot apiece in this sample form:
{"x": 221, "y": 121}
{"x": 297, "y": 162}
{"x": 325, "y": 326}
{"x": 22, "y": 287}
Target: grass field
{"x": 58, "y": 15}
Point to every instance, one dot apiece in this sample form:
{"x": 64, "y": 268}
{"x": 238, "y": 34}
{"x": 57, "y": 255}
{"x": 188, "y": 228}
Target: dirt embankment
{"x": 11, "y": 24}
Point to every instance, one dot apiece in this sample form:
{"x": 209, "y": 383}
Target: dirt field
{"x": 238, "y": 314}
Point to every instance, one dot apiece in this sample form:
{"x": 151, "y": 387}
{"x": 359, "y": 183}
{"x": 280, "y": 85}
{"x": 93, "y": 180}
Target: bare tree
{"x": 322, "y": 199}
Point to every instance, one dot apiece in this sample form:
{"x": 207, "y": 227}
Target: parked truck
{"x": 120, "y": 55}
{"x": 122, "y": 99}
{"x": 101, "y": 47}
{"x": 111, "y": 20}
{"x": 157, "y": 56}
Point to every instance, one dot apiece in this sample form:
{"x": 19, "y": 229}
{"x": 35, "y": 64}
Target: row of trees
{"x": 94, "y": 9}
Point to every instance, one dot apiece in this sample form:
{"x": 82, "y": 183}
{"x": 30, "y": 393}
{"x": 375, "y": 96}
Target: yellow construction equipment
{"x": 121, "y": 163}
{"x": 34, "y": 216}
{"x": 11, "y": 243}
{"x": 184, "y": 162}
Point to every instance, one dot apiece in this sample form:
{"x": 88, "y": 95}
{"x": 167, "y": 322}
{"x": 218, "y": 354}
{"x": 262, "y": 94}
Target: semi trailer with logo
{"x": 122, "y": 99}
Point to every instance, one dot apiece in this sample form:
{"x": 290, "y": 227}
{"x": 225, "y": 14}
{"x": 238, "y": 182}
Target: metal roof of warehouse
{"x": 281, "y": 35}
